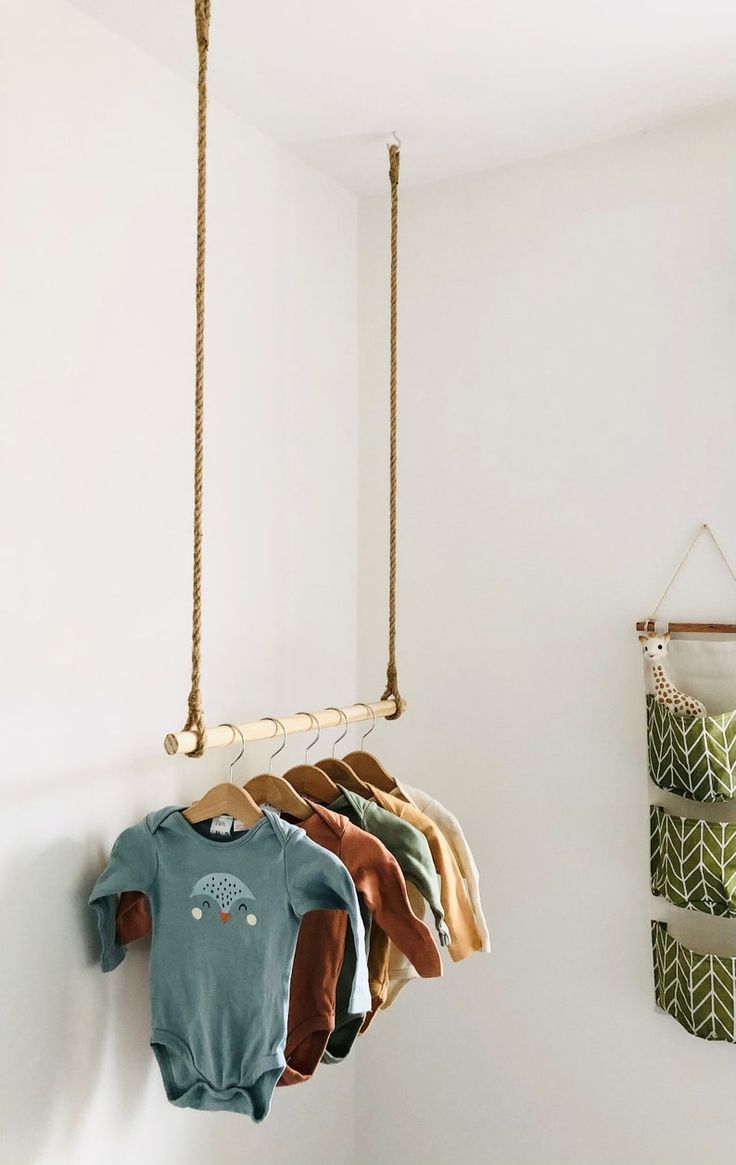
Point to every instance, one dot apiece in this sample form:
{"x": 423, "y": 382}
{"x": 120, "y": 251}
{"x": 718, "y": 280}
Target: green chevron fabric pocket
{"x": 694, "y": 862}
{"x": 694, "y": 756}
{"x": 699, "y": 991}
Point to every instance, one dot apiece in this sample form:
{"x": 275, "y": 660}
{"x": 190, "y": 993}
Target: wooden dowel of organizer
{"x": 702, "y": 628}
{"x": 221, "y": 736}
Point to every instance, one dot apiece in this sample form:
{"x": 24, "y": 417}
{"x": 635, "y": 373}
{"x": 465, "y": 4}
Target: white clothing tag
{"x": 238, "y": 826}
{"x": 221, "y": 824}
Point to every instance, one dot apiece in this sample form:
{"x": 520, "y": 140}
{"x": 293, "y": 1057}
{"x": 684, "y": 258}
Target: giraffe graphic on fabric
{"x": 227, "y": 893}
{"x": 665, "y": 692}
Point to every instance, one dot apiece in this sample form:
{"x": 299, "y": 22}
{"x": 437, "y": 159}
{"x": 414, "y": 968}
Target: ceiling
{"x": 467, "y": 85}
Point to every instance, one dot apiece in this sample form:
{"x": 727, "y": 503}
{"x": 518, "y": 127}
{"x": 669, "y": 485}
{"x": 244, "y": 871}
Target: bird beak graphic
{"x": 224, "y": 916}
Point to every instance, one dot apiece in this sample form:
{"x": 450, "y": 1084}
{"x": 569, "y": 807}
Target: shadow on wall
{"x": 56, "y": 999}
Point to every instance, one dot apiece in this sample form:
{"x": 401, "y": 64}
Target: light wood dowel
{"x": 703, "y": 628}
{"x": 220, "y": 737}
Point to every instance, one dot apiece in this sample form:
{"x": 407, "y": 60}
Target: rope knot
{"x": 392, "y": 692}
{"x": 195, "y": 707}
{"x": 195, "y": 723}
{"x": 393, "y": 164}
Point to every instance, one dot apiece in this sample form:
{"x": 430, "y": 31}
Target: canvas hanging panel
{"x": 691, "y": 747}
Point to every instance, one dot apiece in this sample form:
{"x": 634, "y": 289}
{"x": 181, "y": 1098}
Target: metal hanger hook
{"x": 396, "y": 138}
{"x": 343, "y": 716}
{"x": 234, "y": 728}
{"x": 315, "y": 724}
{"x": 283, "y": 742}
{"x": 373, "y": 725}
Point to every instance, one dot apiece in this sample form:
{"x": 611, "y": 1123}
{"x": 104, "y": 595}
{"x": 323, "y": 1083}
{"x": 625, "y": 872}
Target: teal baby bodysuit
{"x": 225, "y": 917}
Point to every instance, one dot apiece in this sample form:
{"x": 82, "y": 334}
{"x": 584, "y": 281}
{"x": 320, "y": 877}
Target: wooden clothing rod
{"x": 703, "y": 628}
{"x": 220, "y": 737}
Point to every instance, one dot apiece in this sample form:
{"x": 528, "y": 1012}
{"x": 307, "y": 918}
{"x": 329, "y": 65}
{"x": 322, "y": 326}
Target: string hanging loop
{"x": 704, "y": 529}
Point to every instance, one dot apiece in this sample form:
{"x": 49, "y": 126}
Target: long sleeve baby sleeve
{"x": 379, "y": 879}
{"x": 317, "y": 880}
{"x": 132, "y": 866}
{"x": 464, "y": 935}
{"x": 453, "y": 832}
{"x": 408, "y": 846}
{"x": 415, "y": 863}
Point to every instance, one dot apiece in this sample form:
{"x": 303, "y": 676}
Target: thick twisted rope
{"x": 195, "y": 719}
{"x": 392, "y": 682}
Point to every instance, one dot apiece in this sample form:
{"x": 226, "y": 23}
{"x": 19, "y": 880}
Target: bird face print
{"x": 224, "y": 896}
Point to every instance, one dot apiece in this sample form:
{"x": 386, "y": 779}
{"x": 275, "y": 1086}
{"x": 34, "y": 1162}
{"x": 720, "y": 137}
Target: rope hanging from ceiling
{"x": 195, "y": 722}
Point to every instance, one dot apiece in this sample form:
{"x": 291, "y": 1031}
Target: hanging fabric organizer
{"x": 691, "y": 746}
{"x": 195, "y": 737}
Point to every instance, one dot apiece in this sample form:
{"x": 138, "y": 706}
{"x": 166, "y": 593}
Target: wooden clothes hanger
{"x": 226, "y": 798}
{"x": 310, "y": 779}
{"x": 341, "y": 772}
{"x": 367, "y": 767}
{"x": 277, "y": 791}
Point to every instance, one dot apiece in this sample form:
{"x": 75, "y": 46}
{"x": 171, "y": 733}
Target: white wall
{"x": 567, "y": 407}
{"x": 96, "y": 355}
{"x": 567, "y": 410}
